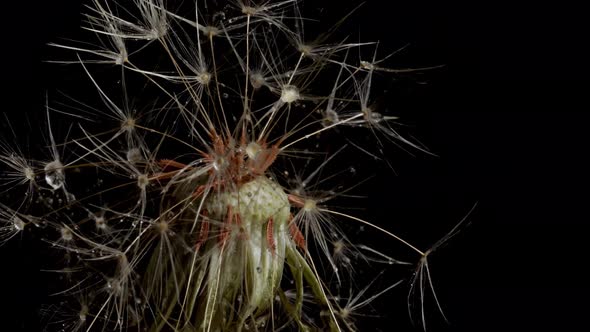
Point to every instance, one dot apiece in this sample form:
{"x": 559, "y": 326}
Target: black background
{"x": 507, "y": 116}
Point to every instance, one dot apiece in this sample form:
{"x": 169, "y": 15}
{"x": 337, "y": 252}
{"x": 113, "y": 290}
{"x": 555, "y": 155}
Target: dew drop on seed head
{"x": 100, "y": 223}
{"x": 70, "y": 197}
{"x": 66, "y": 234}
{"x": 330, "y": 118}
{"x": 134, "y": 156}
{"x": 18, "y": 223}
{"x": 54, "y": 174}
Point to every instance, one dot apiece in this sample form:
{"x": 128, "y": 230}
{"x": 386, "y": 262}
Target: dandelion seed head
{"x": 257, "y": 201}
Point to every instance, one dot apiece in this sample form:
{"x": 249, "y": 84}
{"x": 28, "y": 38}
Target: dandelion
{"x": 179, "y": 212}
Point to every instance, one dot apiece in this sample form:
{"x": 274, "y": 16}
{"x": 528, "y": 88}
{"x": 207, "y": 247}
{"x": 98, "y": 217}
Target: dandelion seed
{"x": 19, "y": 171}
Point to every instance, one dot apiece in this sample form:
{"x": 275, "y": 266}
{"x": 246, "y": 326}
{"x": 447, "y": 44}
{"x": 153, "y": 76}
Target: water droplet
{"x": 134, "y": 156}
{"x": 18, "y": 223}
{"x": 54, "y": 174}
